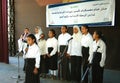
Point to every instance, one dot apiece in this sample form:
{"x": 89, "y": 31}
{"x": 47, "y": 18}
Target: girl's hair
{"x": 86, "y": 26}
{"x": 42, "y": 34}
{"x": 100, "y": 35}
{"x": 65, "y": 26}
{"x": 53, "y": 31}
{"x": 32, "y": 37}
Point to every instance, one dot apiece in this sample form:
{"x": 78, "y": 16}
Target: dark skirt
{"x": 24, "y": 65}
{"x": 85, "y": 53}
{"x": 97, "y": 71}
{"x": 44, "y": 64}
{"x": 65, "y": 69}
{"x": 76, "y": 62}
{"x": 30, "y": 77}
{"x": 52, "y": 60}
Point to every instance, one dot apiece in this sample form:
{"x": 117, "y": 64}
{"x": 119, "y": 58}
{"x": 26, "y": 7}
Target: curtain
{"x": 4, "y": 34}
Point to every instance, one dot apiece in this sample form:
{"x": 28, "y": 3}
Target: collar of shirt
{"x": 86, "y": 40}
{"x": 51, "y": 38}
{"x": 99, "y": 43}
{"x": 63, "y": 38}
{"x": 32, "y": 45}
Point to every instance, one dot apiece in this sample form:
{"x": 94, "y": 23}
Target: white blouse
{"x": 87, "y": 40}
{"x": 21, "y": 45}
{"x": 63, "y": 39}
{"x": 42, "y": 46}
{"x": 34, "y": 52}
{"x": 101, "y": 49}
{"x": 52, "y": 42}
{"x": 37, "y": 36}
{"x": 74, "y": 48}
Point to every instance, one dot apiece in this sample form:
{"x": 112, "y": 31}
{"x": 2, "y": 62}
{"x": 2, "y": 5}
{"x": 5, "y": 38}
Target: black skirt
{"x": 97, "y": 71}
{"x": 65, "y": 64}
{"x": 30, "y": 77}
{"x": 96, "y": 58}
{"x": 44, "y": 64}
{"x": 52, "y": 60}
{"x": 85, "y": 53}
{"x": 76, "y": 62}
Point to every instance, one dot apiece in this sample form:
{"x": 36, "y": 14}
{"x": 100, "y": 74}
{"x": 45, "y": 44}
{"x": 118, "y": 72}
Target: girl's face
{"x": 95, "y": 36}
{"x": 75, "y": 30}
{"x": 30, "y": 41}
{"x": 84, "y": 30}
{"x": 42, "y": 36}
{"x": 36, "y": 30}
{"x": 63, "y": 29}
{"x": 26, "y": 31}
{"x": 50, "y": 34}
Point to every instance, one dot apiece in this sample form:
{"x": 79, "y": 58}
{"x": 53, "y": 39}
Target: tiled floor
{"x": 8, "y": 72}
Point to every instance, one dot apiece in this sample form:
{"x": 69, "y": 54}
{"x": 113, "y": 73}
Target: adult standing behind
{"x": 75, "y": 54}
{"x": 23, "y": 39}
{"x": 62, "y": 44}
{"x": 86, "y": 42}
{"x": 44, "y": 57}
{"x": 97, "y": 57}
{"x": 22, "y": 44}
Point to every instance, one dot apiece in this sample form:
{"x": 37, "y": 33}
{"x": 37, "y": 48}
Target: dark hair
{"x": 42, "y": 34}
{"x": 100, "y": 35}
{"x": 53, "y": 31}
{"x": 32, "y": 36}
{"x": 65, "y": 26}
{"x": 86, "y": 26}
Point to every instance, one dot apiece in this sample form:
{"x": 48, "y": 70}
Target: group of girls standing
{"x": 42, "y": 55}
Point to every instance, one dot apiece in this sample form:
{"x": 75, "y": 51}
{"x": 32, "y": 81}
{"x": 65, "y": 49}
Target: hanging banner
{"x": 90, "y": 12}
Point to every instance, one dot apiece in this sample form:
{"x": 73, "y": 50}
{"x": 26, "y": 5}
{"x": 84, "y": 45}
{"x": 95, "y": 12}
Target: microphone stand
{"x": 60, "y": 59}
{"x": 88, "y": 68}
{"x": 18, "y": 77}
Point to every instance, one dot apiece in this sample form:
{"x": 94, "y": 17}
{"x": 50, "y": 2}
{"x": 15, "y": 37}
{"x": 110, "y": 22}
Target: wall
{"x": 29, "y": 14}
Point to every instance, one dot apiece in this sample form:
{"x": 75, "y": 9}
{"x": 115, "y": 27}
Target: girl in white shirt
{"x": 86, "y": 42}
{"x": 74, "y": 52}
{"x": 51, "y": 45}
{"x": 97, "y": 57}
{"x": 63, "y": 38}
{"x": 32, "y": 61}
{"x": 44, "y": 57}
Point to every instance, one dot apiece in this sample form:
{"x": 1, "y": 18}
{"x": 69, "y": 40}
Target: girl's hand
{"x": 26, "y": 50}
{"x": 21, "y": 37}
{"x": 68, "y": 56}
{"x": 49, "y": 55}
{"x": 44, "y": 56}
{"x": 59, "y": 53}
{"x": 35, "y": 71}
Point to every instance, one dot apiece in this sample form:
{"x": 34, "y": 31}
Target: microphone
{"x": 97, "y": 48}
{"x": 70, "y": 39}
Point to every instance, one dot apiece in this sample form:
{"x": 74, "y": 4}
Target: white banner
{"x": 92, "y": 13}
